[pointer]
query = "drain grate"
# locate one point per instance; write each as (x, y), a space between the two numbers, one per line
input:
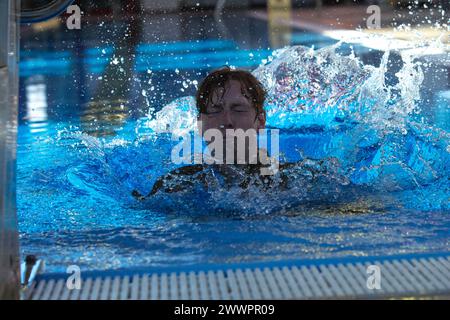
(414, 276)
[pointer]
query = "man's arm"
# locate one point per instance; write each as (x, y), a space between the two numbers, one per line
(174, 181)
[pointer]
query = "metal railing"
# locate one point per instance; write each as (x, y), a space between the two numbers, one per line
(9, 246)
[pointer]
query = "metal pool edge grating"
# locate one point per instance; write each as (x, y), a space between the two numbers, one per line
(400, 277)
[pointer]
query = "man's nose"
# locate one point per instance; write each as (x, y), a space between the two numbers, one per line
(228, 121)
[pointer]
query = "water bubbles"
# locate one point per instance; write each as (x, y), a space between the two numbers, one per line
(144, 93)
(115, 61)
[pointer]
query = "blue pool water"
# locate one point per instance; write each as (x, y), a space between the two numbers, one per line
(370, 137)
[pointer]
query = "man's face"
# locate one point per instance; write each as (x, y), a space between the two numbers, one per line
(231, 108)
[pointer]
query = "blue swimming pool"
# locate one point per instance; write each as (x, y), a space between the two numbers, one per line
(370, 136)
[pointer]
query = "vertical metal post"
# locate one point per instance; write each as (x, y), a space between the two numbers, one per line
(280, 15)
(9, 246)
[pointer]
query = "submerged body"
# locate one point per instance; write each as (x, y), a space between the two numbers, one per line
(243, 176)
(227, 101)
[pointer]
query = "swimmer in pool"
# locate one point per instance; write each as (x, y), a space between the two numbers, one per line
(226, 99)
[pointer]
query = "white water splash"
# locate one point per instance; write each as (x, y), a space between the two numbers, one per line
(313, 87)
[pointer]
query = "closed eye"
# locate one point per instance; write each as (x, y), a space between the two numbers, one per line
(240, 108)
(214, 109)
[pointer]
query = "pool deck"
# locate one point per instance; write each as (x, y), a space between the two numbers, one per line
(420, 276)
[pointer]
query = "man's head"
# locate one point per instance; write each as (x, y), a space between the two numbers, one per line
(231, 99)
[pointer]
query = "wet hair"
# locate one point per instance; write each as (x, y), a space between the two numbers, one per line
(250, 87)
